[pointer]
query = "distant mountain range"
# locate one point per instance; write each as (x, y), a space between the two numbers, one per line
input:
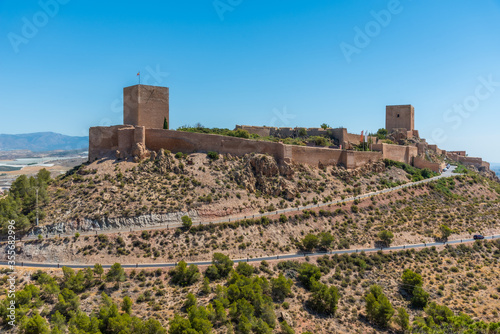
(42, 141)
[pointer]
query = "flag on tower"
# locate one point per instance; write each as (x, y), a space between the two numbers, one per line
(361, 138)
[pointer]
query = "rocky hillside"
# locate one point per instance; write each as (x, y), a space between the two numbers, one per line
(213, 187)
(203, 188)
(321, 294)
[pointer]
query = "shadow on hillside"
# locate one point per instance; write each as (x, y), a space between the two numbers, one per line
(380, 244)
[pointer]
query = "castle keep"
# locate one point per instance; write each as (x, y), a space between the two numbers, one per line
(145, 132)
(145, 106)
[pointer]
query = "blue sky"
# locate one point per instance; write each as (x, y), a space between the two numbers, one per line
(227, 62)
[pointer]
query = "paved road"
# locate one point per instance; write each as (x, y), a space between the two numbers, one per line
(257, 259)
(447, 173)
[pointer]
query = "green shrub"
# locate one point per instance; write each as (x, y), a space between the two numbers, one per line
(213, 155)
(378, 307)
(186, 222)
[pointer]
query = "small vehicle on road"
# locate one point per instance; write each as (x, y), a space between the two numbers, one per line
(478, 237)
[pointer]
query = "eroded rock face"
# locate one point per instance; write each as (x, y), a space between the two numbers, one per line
(483, 171)
(118, 223)
(140, 152)
(348, 174)
(164, 162)
(262, 172)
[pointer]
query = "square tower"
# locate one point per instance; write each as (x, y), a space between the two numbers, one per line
(145, 106)
(399, 117)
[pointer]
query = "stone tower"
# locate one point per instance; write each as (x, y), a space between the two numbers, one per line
(400, 117)
(145, 106)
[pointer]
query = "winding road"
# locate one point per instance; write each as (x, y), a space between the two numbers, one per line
(256, 259)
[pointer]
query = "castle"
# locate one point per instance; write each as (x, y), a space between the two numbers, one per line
(145, 131)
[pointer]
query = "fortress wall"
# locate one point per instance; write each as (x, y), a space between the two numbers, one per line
(461, 153)
(263, 131)
(422, 147)
(471, 161)
(188, 142)
(355, 159)
(103, 141)
(317, 132)
(314, 155)
(396, 152)
(332, 157)
(353, 138)
(125, 139)
(452, 156)
(436, 149)
(339, 134)
(460, 157)
(140, 135)
(422, 163)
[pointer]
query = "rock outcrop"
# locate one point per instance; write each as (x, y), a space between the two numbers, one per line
(120, 223)
(348, 174)
(262, 172)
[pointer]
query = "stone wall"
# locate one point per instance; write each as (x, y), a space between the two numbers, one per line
(422, 147)
(477, 162)
(396, 152)
(284, 132)
(263, 131)
(461, 153)
(436, 149)
(316, 155)
(103, 141)
(341, 136)
(107, 141)
(355, 159)
(422, 163)
(188, 142)
(470, 161)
